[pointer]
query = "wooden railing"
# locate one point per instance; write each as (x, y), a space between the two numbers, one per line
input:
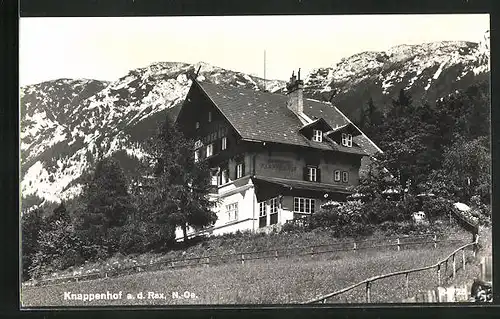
(368, 282)
(244, 257)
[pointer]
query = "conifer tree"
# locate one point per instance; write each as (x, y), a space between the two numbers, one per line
(107, 206)
(180, 187)
(31, 223)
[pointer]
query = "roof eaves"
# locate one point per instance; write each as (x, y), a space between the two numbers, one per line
(347, 119)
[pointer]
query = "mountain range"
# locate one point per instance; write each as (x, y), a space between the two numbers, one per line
(67, 124)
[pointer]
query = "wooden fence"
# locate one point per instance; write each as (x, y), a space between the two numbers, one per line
(439, 278)
(244, 257)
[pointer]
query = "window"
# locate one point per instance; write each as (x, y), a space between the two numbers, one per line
(196, 156)
(270, 206)
(345, 177)
(210, 150)
(214, 180)
(347, 140)
(224, 176)
(262, 214)
(232, 211)
(273, 211)
(336, 176)
(239, 170)
(224, 143)
(311, 174)
(317, 136)
(197, 125)
(209, 117)
(215, 177)
(303, 205)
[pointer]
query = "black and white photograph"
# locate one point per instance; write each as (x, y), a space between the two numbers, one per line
(255, 160)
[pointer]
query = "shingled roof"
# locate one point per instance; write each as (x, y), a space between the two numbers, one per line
(264, 116)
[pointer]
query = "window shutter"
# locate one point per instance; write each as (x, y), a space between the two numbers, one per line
(242, 169)
(306, 173)
(318, 175)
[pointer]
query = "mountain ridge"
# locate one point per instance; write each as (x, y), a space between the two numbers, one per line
(67, 124)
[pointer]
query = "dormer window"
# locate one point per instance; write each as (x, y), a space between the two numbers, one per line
(317, 136)
(347, 140)
(209, 117)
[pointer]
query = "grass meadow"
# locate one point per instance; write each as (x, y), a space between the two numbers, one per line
(292, 280)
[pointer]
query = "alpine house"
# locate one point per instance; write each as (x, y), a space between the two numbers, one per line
(273, 157)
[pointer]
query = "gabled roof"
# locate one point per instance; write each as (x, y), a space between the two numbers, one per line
(317, 123)
(348, 128)
(264, 116)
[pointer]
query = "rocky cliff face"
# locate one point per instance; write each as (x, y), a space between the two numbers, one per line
(428, 71)
(66, 125)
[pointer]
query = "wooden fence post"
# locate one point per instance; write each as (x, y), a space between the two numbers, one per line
(399, 248)
(407, 285)
(454, 266)
(368, 286)
(242, 259)
(474, 247)
(435, 241)
(463, 259)
(439, 274)
(276, 255)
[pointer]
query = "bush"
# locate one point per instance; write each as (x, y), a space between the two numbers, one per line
(292, 227)
(345, 214)
(134, 239)
(59, 247)
(436, 208)
(356, 230)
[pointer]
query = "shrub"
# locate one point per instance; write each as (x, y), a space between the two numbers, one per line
(292, 227)
(339, 216)
(356, 230)
(133, 239)
(436, 208)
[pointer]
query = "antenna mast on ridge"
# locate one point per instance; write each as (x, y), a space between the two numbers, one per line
(265, 84)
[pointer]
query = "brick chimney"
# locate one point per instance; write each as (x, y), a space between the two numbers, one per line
(295, 91)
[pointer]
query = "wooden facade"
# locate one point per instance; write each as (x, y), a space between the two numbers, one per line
(260, 183)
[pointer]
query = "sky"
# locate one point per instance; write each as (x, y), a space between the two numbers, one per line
(106, 48)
